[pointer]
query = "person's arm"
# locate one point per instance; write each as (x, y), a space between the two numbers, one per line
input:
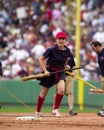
(42, 64)
(72, 73)
(0, 69)
(71, 63)
(66, 65)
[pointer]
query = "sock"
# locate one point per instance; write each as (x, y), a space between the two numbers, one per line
(58, 100)
(40, 101)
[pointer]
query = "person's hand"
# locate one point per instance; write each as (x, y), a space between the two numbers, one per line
(72, 74)
(47, 73)
(67, 67)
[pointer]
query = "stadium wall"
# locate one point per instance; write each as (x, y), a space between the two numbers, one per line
(16, 92)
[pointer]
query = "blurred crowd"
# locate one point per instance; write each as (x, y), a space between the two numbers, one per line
(28, 28)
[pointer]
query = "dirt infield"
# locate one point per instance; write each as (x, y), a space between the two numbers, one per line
(83, 121)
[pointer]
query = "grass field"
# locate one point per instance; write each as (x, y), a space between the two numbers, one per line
(45, 109)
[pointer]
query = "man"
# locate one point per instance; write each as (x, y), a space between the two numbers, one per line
(69, 88)
(98, 48)
(0, 76)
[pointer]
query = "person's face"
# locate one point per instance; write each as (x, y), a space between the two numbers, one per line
(95, 49)
(61, 41)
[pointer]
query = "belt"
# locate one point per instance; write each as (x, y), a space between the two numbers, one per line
(54, 69)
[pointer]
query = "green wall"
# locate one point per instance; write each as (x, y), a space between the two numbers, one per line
(18, 92)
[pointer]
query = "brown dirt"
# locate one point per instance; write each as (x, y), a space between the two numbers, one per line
(83, 121)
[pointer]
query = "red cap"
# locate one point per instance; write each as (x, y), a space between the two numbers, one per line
(61, 35)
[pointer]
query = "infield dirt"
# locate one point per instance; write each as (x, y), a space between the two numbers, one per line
(82, 121)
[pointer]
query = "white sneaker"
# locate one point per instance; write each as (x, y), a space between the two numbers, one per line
(37, 115)
(101, 113)
(56, 112)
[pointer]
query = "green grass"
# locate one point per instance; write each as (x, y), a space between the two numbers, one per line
(44, 109)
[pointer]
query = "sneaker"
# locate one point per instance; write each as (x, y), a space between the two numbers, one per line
(56, 112)
(71, 112)
(37, 115)
(101, 113)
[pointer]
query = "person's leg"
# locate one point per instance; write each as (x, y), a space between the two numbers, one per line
(40, 100)
(103, 93)
(101, 112)
(58, 96)
(69, 92)
(70, 101)
(71, 104)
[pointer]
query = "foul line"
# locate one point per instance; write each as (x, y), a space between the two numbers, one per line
(16, 98)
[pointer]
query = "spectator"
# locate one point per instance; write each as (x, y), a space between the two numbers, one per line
(40, 21)
(99, 35)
